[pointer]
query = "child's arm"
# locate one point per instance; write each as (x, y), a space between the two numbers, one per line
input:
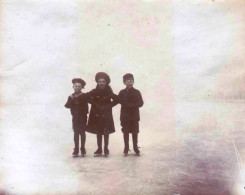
(115, 100)
(88, 97)
(69, 102)
(120, 98)
(137, 103)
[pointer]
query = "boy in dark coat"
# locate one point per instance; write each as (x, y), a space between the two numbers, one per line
(79, 110)
(100, 122)
(131, 100)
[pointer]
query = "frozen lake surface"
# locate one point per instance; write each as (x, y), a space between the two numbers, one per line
(190, 150)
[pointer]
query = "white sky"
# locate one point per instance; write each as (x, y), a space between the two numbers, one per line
(167, 46)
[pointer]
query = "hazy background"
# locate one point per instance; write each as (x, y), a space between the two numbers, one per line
(185, 57)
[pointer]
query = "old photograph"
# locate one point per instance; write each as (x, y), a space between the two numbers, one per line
(122, 97)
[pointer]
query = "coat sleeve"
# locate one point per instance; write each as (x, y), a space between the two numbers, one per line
(69, 102)
(120, 98)
(89, 97)
(138, 102)
(114, 102)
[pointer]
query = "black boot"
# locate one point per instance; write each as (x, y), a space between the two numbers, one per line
(106, 151)
(83, 151)
(75, 152)
(98, 152)
(99, 143)
(106, 143)
(126, 143)
(135, 143)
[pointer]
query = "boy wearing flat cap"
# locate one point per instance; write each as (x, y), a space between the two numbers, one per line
(79, 109)
(131, 100)
(100, 122)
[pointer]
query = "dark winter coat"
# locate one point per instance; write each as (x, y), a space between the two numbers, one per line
(78, 105)
(131, 100)
(100, 118)
(79, 110)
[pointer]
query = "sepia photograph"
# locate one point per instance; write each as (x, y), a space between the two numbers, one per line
(122, 97)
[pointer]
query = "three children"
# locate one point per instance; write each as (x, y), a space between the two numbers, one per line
(102, 100)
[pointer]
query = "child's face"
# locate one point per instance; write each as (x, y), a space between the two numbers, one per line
(102, 83)
(77, 87)
(129, 83)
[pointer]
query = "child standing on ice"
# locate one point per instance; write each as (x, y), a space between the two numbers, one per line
(79, 109)
(131, 100)
(100, 122)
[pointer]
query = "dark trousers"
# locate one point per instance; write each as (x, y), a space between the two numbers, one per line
(76, 139)
(79, 127)
(126, 140)
(99, 141)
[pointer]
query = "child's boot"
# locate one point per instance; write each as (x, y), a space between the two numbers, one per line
(98, 152)
(75, 151)
(106, 151)
(83, 151)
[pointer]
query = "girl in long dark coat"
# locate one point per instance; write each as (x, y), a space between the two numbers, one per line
(100, 122)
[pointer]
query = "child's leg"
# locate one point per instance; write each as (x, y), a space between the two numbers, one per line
(125, 130)
(135, 142)
(135, 139)
(99, 141)
(75, 124)
(83, 139)
(135, 130)
(76, 140)
(126, 141)
(83, 133)
(106, 143)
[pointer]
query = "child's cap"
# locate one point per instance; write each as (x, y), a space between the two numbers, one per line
(78, 80)
(103, 75)
(128, 76)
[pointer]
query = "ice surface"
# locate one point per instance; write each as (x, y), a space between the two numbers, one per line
(195, 157)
